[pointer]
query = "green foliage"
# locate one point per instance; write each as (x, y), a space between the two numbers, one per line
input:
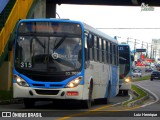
(141, 78)
(141, 93)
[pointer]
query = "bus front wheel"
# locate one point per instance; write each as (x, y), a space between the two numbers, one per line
(88, 103)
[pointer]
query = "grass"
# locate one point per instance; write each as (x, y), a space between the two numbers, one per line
(147, 77)
(141, 93)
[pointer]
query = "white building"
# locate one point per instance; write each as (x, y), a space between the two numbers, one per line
(156, 48)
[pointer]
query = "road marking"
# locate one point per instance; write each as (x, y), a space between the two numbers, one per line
(84, 113)
(97, 109)
(109, 106)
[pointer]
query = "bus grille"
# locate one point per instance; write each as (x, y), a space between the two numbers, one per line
(47, 92)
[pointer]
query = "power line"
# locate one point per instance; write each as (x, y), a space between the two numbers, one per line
(127, 28)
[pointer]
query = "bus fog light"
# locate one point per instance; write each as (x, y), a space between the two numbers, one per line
(74, 82)
(127, 79)
(20, 81)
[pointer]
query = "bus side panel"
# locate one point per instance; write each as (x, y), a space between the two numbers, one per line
(100, 74)
(87, 78)
(114, 81)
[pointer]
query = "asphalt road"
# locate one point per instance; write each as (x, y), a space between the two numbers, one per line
(154, 88)
(112, 111)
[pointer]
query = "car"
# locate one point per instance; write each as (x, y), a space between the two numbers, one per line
(137, 69)
(136, 73)
(148, 69)
(147, 64)
(155, 75)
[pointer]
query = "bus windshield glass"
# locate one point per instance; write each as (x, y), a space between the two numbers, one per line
(48, 47)
(124, 61)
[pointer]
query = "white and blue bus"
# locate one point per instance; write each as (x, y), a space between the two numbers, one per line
(65, 60)
(125, 68)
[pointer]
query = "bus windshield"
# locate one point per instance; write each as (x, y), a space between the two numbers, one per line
(124, 62)
(39, 48)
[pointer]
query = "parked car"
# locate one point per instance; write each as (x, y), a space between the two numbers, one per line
(148, 69)
(136, 73)
(155, 75)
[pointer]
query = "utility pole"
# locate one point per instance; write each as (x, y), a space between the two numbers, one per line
(142, 44)
(151, 52)
(135, 47)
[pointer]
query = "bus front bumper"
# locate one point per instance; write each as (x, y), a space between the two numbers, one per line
(62, 93)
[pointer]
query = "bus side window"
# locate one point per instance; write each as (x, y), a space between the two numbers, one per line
(107, 51)
(114, 54)
(95, 48)
(117, 55)
(111, 52)
(90, 46)
(86, 48)
(104, 51)
(100, 50)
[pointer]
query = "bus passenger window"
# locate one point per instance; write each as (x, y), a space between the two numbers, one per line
(111, 52)
(104, 51)
(100, 50)
(108, 50)
(95, 48)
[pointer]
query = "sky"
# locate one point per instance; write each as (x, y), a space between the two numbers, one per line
(113, 20)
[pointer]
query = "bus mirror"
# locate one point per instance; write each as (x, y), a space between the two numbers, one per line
(89, 41)
(132, 57)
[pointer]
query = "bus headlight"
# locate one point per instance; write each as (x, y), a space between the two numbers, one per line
(74, 82)
(20, 81)
(127, 80)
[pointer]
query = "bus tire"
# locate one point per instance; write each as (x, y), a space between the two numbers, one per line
(29, 103)
(120, 93)
(86, 104)
(125, 92)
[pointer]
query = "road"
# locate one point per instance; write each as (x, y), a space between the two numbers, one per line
(60, 109)
(113, 108)
(154, 88)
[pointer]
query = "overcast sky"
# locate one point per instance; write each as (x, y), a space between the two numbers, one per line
(117, 17)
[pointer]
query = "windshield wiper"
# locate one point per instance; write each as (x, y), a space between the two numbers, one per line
(59, 43)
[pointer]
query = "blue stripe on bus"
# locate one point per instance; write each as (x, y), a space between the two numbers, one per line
(113, 82)
(38, 84)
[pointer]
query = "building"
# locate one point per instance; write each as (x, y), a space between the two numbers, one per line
(156, 48)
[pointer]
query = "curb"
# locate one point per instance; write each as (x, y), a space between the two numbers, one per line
(139, 101)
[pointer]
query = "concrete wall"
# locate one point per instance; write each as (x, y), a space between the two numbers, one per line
(40, 10)
(45, 9)
(5, 76)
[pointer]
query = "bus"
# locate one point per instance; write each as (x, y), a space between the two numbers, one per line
(61, 59)
(125, 68)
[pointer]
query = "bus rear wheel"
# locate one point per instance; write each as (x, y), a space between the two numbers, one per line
(29, 103)
(125, 92)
